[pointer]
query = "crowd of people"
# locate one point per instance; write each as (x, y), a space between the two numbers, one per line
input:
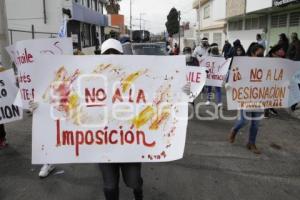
(283, 49)
(131, 172)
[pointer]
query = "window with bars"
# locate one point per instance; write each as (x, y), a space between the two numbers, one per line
(235, 25)
(256, 23)
(278, 21)
(217, 38)
(295, 19)
(263, 22)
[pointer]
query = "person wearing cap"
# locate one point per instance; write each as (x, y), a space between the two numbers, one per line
(131, 172)
(202, 50)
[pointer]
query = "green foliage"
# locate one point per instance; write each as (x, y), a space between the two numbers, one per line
(172, 24)
(113, 7)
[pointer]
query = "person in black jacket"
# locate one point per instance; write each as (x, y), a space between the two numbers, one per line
(190, 60)
(294, 48)
(233, 51)
(284, 42)
(226, 49)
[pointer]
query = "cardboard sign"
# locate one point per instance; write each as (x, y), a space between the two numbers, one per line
(8, 92)
(260, 83)
(24, 54)
(217, 70)
(197, 77)
(109, 109)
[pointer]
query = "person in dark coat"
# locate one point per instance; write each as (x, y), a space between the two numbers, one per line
(284, 42)
(294, 49)
(226, 48)
(233, 51)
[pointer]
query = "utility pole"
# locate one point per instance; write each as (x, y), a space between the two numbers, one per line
(130, 20)
(179, 19)
(3, 35)
(199, 22)
(141, 20)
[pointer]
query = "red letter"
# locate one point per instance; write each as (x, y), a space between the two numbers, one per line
(89, 135)
(79, 141)
(141, 96)
(144, 139)
(118, 96)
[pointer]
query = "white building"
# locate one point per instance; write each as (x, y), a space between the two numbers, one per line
(43, 18)
(211, 16)
(247, 18)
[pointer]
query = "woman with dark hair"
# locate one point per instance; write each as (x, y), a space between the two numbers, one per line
(255, 50)
(276, 51)
(284, 42)
(234, 50)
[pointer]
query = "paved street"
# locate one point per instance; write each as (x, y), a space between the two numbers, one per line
(212, 169)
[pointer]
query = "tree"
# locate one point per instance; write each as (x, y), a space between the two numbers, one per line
(113, 7)
(172, 24)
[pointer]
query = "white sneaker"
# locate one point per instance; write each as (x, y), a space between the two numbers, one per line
(207, 103)
(46, 170)
(220, 105)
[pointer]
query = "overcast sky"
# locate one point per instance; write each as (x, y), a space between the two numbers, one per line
(156, 12)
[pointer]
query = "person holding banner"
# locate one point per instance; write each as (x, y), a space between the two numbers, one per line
(236, 50)
(111, 171)
(203, 49)
(214, 52)
(276, 51)
(3, 142)
(254, 116)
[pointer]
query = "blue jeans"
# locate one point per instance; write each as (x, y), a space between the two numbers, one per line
(254, 118)
(218, 94)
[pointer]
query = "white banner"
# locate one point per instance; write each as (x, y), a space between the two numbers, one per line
(217, 69)
(260, 83)
(197, 77)
(8, 92)
(24, 53)
(109, 109)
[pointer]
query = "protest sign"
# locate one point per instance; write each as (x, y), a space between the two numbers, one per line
(109, 109)
(260, 83)
(24, 53)
(197, 77)
(217, 70)
(8, 92)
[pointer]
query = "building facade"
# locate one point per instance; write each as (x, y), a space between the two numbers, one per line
(45, 17)
(246, 18)
(211, 21)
